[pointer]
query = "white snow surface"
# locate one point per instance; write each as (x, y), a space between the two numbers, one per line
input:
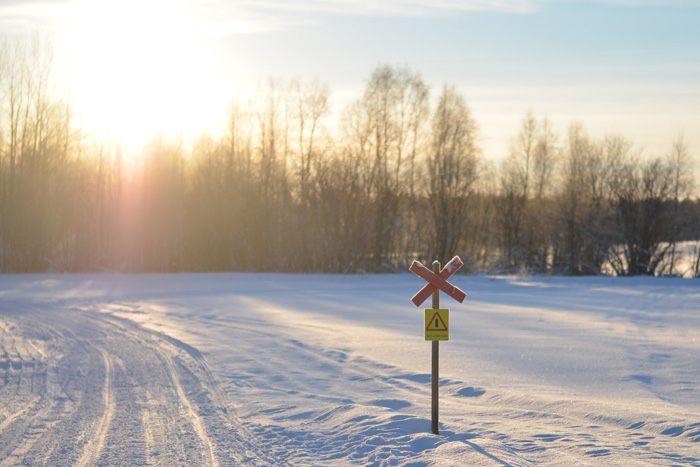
(322, 370)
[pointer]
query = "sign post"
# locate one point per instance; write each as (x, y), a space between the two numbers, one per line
(435, 377)
(437, 320)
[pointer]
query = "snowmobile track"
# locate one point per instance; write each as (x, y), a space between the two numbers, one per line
(84, 388)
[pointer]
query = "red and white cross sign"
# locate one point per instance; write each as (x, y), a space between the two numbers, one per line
(438, 281)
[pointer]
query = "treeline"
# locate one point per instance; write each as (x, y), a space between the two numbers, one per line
(398, 179)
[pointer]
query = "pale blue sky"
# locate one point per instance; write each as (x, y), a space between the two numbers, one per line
(629, 67)
(634, 69)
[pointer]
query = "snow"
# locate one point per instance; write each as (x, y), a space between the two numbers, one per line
(334, 369)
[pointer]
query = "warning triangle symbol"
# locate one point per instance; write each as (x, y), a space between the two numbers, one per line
(436, 323)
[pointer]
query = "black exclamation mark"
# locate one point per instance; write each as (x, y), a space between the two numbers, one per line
(436, 322)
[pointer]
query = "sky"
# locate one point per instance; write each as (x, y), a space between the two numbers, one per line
(629, 67)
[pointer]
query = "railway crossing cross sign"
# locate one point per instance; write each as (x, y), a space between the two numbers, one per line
(437, 320)
(437, 281)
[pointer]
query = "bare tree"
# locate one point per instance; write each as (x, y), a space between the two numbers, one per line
(641, 191)
(413, 139)
(515, 191)
(35, 203)
(16, 72)
(545, 159)
(525, 179)
(682, 182)
(452, 168)
(312, 106)
(381, 127)
(584, 206)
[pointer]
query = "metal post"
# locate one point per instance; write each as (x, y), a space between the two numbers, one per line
(436, 361)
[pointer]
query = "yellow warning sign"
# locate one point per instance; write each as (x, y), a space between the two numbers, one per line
(437, 324)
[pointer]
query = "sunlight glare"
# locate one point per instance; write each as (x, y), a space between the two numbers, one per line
(139, 67)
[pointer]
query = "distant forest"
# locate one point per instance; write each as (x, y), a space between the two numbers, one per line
(400, 177)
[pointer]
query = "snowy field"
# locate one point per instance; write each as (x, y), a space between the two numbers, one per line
(312, 370)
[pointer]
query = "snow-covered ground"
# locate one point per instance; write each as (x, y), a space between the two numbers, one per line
(268, 369)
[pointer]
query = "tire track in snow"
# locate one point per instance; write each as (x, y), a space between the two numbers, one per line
(96, 443)
(153, 421)
(63, 408)
(23, 413)
(240, 445)
(34, 427)
(192, 413)
(11, 417)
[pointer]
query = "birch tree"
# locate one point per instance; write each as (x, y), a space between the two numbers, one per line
(452, 168)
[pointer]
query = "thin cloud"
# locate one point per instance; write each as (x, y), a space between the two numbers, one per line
(216, 17)
(227, 17)
(647, 3)
(222, 17)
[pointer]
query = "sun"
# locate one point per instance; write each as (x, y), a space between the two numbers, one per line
(140, 67)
